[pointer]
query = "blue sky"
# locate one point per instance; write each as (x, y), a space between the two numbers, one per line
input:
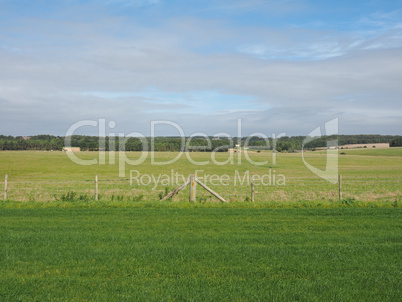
(281, 66)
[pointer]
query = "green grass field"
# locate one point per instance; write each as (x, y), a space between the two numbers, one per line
(200, 254)
(373, 175)
(296, 242)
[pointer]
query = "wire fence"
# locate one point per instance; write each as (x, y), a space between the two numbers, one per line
(293, 189)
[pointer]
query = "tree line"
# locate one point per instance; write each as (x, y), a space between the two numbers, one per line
(199, 144)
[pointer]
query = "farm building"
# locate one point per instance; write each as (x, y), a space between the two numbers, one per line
(72, 149)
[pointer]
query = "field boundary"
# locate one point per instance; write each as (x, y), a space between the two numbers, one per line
(120, 190)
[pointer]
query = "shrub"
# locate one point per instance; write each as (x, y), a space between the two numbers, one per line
(118, 197)
(85, 198)
(163, 194)
(73, 196)
(348, 201)
(137, 198)
(69, 196)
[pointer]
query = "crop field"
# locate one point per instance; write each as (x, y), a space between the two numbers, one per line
(368, 175)
(296, 242)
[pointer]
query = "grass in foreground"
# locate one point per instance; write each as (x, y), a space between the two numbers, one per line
(200, 254)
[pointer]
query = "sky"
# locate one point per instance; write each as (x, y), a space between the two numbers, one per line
(280, 66)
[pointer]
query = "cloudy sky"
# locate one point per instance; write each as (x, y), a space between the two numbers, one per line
(282, 66)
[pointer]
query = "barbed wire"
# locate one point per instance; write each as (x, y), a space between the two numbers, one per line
(297, 188)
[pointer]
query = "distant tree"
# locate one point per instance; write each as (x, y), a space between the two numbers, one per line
(199, 144)
(396, 142)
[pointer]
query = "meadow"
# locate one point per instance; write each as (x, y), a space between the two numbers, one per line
(296, 242)
(368, 176)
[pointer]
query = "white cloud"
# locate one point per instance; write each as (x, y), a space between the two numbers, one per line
(45, 79)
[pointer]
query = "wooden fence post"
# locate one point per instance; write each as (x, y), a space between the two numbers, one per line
(96, 187)
(192, 181)
(252, 188)
(210, 190)
(5, 186)
(193, 192)
(340, 186)
(175, 191)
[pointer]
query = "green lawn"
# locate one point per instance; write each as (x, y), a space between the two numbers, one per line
(200, 254)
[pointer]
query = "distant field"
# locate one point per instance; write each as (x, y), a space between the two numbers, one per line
(368, 175)
(374, 152)
(351, 146)
(203, 254)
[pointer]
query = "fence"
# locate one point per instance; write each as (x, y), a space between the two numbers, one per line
(295, 189)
